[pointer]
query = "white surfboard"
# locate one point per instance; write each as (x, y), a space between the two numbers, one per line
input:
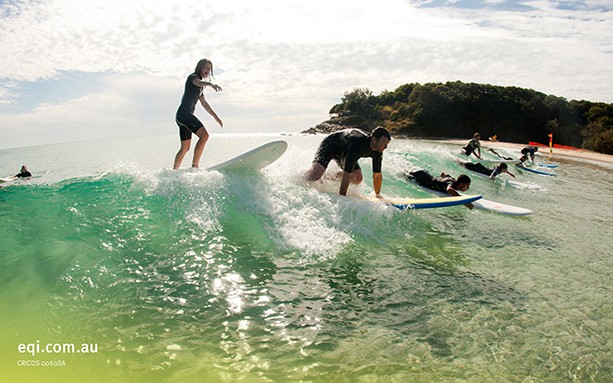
(7, 179)
(254, 159)
(485, 204)
(501, 208)
(424, 203)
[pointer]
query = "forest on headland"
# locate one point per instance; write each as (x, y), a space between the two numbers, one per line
(456, 110)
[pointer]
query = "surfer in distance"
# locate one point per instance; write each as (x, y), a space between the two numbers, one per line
(186, 120)
(490, 172)
(528, 151)
(346, 147)
(23, 173)
(473, 146)
(496, 153)
(444, 183)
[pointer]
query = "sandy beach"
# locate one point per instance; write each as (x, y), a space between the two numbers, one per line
(543, 152)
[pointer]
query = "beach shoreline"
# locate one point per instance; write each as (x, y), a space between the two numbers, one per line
(557, 154)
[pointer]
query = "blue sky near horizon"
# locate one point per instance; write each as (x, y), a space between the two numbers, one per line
(118, 67)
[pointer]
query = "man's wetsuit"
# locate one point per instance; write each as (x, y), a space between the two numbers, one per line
(426, 180)
(528, 150)
(479, 168)
(25, 174)
(346, 147)
(185, 118)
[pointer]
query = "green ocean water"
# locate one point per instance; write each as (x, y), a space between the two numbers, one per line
(197, 276)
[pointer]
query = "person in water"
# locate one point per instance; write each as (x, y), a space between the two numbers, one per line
(496, 153)
(490, 172)
(23, 173)
(186, 120)
(346, 147)
(473, 146)
(444, 183)
(528, 151)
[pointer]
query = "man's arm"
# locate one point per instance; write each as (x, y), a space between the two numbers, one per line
(345, 183)
(377, 180)
(454, 193)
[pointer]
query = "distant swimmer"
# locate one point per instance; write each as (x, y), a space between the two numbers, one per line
(473, 146)
(346, 147)
(185, 118)
(528, 151)
(23, 173)
(444, 183)
(490, 172)
(496, 153)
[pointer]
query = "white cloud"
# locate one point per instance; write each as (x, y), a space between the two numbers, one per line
(282, 64)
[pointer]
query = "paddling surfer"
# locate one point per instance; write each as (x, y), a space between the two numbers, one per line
(496, 153)
(185, 118)
(490, 172)
(346, 147)
(444, 183)
(23, 173)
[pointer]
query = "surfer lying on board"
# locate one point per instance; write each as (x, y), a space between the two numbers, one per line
(473, 146)
(23, 173)
(185, 118)
(490, 172)
(445, 183)
(346, 147)
(503, 157)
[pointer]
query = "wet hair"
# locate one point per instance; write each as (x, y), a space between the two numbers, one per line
(462, 179)
(476, 135)
(503, 166)
(381, 132)
(201, 65)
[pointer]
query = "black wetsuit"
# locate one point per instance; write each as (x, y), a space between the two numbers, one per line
(23, 174)
(528, 150)
(185, 118)
(479, 168)
(471, 147)
(426, 180)
(346, 147)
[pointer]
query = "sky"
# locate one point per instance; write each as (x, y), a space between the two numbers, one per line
(78, 70)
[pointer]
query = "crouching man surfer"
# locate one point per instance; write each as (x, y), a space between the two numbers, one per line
(346, 147)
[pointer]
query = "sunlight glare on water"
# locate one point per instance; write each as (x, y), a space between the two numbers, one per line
(205, 276)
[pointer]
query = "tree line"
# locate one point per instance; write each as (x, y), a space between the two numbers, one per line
(457, 110)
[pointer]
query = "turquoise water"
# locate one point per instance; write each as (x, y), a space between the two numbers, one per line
(209, 277)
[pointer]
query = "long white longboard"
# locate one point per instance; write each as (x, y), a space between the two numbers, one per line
(424, 203)
(501, 208)
(254, 159)
(485, 204)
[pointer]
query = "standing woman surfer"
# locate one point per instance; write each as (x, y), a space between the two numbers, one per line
(185, 118)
